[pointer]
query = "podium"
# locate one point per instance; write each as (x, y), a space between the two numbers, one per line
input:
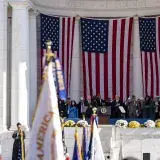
(103, 113)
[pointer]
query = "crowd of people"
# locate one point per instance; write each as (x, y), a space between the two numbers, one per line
(132, 108)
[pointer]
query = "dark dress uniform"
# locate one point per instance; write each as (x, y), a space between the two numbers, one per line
(17, 146)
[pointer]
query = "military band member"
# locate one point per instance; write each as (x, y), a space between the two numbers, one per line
(18, 145)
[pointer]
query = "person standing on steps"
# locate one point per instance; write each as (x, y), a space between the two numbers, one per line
(18, 145)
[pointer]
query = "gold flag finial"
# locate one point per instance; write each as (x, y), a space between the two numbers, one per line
(94, 110)
(49, 54)
(83, 115)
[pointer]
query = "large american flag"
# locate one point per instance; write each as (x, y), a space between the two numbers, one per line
(150, 54)
(60, 30)
(106, 47)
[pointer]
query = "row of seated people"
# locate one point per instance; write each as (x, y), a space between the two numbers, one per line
(133, 108)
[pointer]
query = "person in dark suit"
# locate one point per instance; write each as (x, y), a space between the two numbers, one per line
(62, 109)
(108, 102)
(94, 101)
(66, 105)
(89, 103)
(116, 113)
(81, 108)
(100, 101)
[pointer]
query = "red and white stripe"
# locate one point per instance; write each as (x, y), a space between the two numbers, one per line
(66, 37)
(151, 67)
(109, 73)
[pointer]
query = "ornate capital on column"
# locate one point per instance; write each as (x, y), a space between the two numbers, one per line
(33, 14)
(15, 4)
(136, 18)
(78, 17)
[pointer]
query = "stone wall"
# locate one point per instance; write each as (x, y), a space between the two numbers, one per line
(106, 133)
(136, 142)
(116, 143)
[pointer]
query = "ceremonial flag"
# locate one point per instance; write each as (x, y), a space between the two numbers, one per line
(60, 30)
(63, 140)
(106, 57)
(150, 54)
(85, 143)
(77, 150)
(46, 133)
(67, 156)
(95, 147)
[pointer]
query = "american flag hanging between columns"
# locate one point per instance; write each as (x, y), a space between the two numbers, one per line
(150, 55)
(60, 30)
(106, 56)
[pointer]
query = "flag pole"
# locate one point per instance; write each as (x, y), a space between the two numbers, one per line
(22, 146)
(49, 56)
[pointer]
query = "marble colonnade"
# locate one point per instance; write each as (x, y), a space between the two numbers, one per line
(24, 64)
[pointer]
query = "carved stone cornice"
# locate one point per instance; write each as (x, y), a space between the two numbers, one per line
(98, 5)
(18, 4)
(99, 8)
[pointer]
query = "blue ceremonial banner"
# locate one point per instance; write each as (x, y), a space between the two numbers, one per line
(54, 70)
(60, 79)
(85, 144)
(77, 151)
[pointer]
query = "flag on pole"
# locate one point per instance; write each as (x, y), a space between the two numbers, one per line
(46, 133)
(149, 29)
(85, 144)
(63, 140)
(121, 152)
(95, 147)
(106, 57)
(60, 30)
(77, 150)
(67, 156)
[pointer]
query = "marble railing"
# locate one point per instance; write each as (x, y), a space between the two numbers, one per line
(131, 142)
(106, 135)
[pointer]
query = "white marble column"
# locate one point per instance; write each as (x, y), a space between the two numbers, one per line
(3, 65)
(75, 78)
(137, 72)
(32, 64)
(20, 64)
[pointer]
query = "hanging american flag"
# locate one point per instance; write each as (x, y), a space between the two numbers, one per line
(106, 47)
(60, 30)
(150, 54)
